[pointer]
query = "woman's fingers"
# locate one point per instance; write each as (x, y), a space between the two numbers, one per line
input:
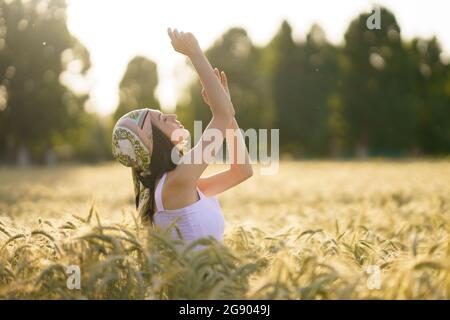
(177, 34)
(222, 77)
(173, 34)
(216, 71)
(170, 33)
(224, 80)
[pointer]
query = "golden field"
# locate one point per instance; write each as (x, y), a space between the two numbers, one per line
(316, 230)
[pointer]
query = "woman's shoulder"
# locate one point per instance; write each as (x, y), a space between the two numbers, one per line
(175, 181)
(175, 195)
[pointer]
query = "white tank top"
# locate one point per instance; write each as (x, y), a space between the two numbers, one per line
(200, 219)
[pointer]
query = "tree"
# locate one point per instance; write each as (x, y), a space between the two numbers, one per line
(36, 109)
(432, 93)
(137, 87)
(317, 112)
(377, 87)
(284, 69)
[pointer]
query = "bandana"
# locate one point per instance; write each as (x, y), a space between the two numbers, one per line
(129, 149)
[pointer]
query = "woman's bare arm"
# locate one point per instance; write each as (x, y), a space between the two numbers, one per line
(193, 163)
(240, 166)
(187, 44)
(237, 173)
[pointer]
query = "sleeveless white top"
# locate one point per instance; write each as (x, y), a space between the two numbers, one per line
(198, 220)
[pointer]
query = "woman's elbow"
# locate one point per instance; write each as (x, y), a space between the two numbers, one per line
(247, 173)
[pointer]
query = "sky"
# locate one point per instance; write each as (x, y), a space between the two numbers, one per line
(115, 31)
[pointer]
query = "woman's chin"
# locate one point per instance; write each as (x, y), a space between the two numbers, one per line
(180, 136)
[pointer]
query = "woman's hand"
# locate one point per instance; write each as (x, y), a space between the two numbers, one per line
(223, 80)
(184, 42)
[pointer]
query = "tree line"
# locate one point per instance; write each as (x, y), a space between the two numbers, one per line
(375, 94)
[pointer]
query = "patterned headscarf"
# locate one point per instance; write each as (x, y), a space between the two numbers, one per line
(129, 149)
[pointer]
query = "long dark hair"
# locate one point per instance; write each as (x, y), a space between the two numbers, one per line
(161, 162)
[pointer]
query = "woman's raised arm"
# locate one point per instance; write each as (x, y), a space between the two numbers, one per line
(241, 168)
(186, 43)
(194, 162)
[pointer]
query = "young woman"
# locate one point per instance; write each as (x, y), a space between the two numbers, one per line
(173, 192)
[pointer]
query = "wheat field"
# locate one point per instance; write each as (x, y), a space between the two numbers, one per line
(316, 230)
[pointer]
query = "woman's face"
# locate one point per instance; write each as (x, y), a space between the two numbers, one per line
(168, 124)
